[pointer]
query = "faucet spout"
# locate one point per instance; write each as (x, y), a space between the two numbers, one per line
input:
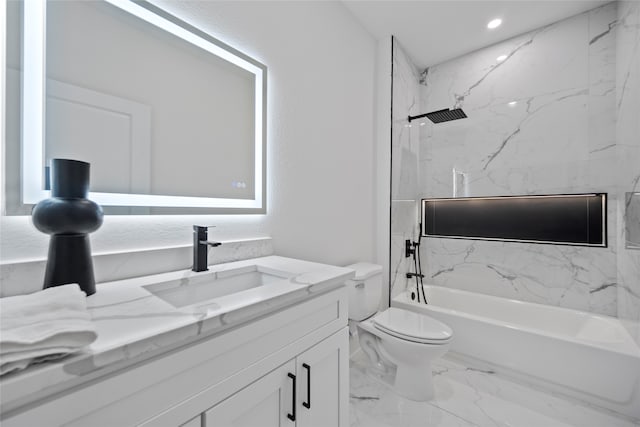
(200, 247)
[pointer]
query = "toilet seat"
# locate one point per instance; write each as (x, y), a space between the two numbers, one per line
(412, 326)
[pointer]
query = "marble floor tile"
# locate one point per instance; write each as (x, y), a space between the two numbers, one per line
(467, 397)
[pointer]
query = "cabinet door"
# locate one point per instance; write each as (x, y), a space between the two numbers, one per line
(263, 403)
(323, 383)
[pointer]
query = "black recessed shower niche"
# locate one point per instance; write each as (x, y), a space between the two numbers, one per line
(562, 219)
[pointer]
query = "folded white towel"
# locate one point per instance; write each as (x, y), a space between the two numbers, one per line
(42, 326)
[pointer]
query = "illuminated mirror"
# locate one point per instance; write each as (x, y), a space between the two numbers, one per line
(170, 118)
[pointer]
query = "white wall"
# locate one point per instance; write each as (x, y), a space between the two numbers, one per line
(321, 67)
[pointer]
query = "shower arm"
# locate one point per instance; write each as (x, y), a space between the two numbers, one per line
(420, 116)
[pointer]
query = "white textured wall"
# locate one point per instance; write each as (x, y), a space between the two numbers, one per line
(320, 139)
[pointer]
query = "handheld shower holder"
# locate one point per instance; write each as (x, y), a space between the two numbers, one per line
(408, 248)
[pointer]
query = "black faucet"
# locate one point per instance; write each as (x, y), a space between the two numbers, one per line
(200, 246)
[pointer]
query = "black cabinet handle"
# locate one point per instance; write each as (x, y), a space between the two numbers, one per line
(292, 417)
(307, 404)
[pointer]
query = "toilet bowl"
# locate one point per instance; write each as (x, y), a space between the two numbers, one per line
(405, 342)
(400, 344)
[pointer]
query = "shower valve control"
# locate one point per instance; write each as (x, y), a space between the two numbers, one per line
(408, 248)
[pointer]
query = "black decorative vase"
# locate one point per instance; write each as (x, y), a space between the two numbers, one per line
(68, 216)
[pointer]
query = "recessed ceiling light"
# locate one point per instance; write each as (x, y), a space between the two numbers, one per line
(501, 58)
(494, 23)
(512, 103)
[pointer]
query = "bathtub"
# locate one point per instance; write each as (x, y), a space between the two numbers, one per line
(587, 356)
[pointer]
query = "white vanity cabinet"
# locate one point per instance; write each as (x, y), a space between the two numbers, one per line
(236, 377)
(319, 377)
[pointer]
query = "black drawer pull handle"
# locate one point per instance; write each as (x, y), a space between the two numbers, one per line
(307, 404)
(292, 417)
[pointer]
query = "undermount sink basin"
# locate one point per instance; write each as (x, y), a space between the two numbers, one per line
(202, 287)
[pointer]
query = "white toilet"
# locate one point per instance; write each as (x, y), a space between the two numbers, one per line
(401, 344)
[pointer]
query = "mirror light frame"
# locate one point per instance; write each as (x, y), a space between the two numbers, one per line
(33, 105)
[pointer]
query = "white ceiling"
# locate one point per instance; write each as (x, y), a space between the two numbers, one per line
(433, 31)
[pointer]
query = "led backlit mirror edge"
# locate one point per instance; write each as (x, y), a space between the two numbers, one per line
(33, 105)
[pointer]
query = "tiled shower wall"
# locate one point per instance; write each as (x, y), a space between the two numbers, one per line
(542, 121)
(628, 145)
(404, 165)
(550, 118)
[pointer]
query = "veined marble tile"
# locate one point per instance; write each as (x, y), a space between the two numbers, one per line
(559, 115)
(531, 406)
(628, 94)
(519, 135)
(400, 265)
(405, 166)
(373, 404)
(539, 62)
(543, 121)
(405, 136)
(566, 276)
(602, 25)
(466, 396)
(628, 134)
(405, 215)
(405, 146)
(404, 226)
(602, 98)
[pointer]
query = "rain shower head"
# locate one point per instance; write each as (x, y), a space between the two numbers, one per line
(440, 116)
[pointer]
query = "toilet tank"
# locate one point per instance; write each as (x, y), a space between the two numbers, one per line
(365, 290)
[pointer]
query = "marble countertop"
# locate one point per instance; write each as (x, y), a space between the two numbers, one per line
(134, 324)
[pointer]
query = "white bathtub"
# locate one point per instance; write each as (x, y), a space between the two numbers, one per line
(587, 356)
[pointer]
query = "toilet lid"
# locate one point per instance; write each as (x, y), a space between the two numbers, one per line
(412, 326)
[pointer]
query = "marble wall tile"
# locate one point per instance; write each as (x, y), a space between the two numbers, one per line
(602, 98)
(506, 137)
(405, 145)
(628, 145)
(542, 121)
(632, 220)
(566, 276)
(404, 216)
(540, 62)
